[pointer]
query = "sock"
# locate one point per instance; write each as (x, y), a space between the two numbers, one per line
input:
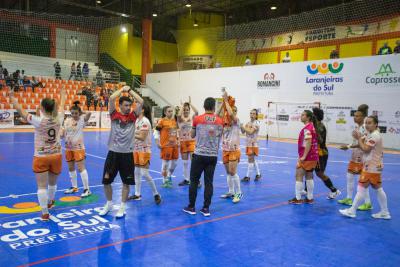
(230, 183)
(43, 200)
(236, 184)
(328, 183)
(350, 185)
(257, 169)
(298, 189)
(85, 179)
(164, 166)
(186, 169)
(138, 180)
(73, 176)
(382, 199)
(122, 206)
(367, 198)
(360, 196)
(250, 167)
(109, 203)
(145, 173)
(171, 168)
(310, 189)
(52, 191)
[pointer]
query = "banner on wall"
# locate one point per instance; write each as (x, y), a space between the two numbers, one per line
(94, 121)
(6, 118)
(318, 35)
(105, 120)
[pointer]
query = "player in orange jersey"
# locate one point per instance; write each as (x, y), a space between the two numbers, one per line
(251, 130)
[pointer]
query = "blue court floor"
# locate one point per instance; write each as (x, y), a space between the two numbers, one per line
(261, 230)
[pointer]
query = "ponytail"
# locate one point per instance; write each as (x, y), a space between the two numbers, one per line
(77, 107)
(311, 117)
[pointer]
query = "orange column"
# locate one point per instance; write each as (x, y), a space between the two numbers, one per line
(146, 47)
(53, 42)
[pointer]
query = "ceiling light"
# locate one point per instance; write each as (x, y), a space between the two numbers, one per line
(124, 15)
(188, 4)
(98, 2)
(273, 8)
(154, 14)
(123, 29)
(195, 24)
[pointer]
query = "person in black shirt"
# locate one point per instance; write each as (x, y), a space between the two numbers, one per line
(396, 50)
(57, 70)
(323, 154)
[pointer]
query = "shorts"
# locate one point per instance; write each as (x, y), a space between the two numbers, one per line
(50, 163)
(141, 158)
(169, 153)
(322, 162)
(75, 155)
(122, 163)
(188, 146)
(228, 156)
(252, 150)
(372, 178)
(354, 167)
(308, 165)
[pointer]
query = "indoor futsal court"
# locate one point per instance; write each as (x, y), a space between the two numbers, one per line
(200, 133)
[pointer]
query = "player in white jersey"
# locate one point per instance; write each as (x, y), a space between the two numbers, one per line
(231, 153)
(75, 148)
(251, 130)
(372, 148)
(186, 142)
(47, 161)
(142, 154)
(355, 164)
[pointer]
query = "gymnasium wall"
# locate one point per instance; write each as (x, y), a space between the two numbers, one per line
(254, 86)
(127, 49)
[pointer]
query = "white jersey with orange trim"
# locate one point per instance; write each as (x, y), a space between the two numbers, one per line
(357, 153)
(47, 134)
(231, 137)
(252, 139)
(185, 128)
(143, 146)
(73, 133)
(373, 160)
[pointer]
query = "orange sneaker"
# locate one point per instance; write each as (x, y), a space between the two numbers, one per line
(51, 204)
(45, 217)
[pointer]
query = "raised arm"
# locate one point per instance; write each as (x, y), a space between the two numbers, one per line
(229, 109)
(63, 95)
(135, 96)
(87, 116)
(24, 114)
(196, 112)
(112, 99)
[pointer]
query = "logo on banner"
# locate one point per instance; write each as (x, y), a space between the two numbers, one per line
(384, 77)
(282, 116)
(320, 34)
(5, 117)
(269, 82)
(341, 118)
(393, 130)
(324, 77)
(74, 223)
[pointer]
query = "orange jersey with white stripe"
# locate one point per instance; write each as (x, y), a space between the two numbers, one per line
(231, 137)
(357, 153)
(47, 134)
(252, 139)
(185, 128)
(73, 133)
(168, 132)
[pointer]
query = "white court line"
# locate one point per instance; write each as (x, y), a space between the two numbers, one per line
(61, 190)
(337, 161)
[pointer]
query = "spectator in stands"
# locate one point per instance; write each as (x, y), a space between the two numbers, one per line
(396, 50)
(21, 77)
(96, 99)
(26, 83)
(57, 70)
(73, 71)
(1, 72)
(247, 62)
(99, 79)
(287, 58)
(36, 83)
(334, 54)
(85, 71)
(15, 76)
(105, 99)
(79, 72)
(385, 50)
(218, 64)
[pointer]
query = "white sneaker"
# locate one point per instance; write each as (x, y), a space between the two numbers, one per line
(71, 190)
(333, 195)
(303, 192)
(347, 213)
(227, 195)
(120, 213)
(106, 209)
(237, 198)
(382, 215)
(86, 193)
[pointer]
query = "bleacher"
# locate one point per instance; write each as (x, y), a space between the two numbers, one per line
(41, 66)
(31, 100)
